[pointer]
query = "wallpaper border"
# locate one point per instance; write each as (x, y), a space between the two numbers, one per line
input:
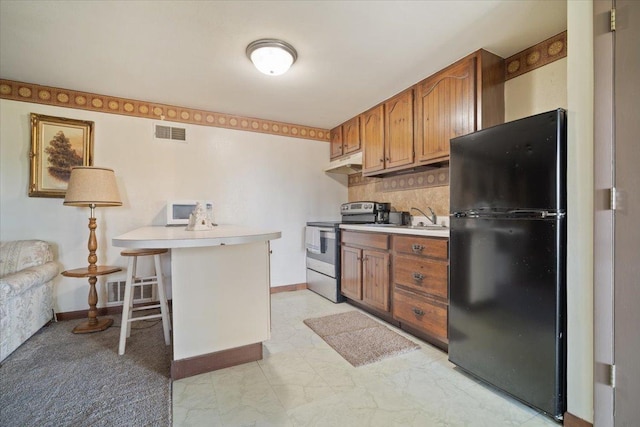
(536, 56)
(30, 92)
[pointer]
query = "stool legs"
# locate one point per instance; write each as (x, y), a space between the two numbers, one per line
(127, 307)
(164, 307)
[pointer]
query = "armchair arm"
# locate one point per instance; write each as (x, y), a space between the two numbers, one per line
(16, 283)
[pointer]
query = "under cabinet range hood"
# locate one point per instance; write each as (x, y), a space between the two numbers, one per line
(346, 165)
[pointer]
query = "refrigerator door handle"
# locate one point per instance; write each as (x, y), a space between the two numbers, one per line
(514, 213)
(536, 213)
(466, 214)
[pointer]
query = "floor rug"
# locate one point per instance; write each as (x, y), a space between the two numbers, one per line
(57, 378)
(358, 338)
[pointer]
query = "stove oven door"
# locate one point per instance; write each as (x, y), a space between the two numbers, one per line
(323, 262)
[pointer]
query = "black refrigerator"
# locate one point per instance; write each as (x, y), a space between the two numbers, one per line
(507, 274)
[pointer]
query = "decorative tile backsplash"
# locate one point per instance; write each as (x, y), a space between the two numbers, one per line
(418, 189)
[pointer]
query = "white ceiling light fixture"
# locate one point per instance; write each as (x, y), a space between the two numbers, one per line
(271, 56)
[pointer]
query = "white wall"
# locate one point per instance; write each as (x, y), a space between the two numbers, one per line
(540, 90)
(254, 179)
(580, 183)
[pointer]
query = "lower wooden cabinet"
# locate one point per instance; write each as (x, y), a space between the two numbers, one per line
(420, 312)
(421, 285)
(421, 275)
(402, 278)
(375, 279)
(365, 269)
(351, 280)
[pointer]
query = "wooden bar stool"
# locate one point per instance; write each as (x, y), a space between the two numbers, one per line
(133, 280)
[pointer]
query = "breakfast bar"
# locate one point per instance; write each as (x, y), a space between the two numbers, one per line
(220, 293)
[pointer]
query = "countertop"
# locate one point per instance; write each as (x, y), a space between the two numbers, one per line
(397, 229)
(179, 237)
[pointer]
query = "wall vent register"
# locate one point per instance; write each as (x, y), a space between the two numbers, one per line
(144, 293)
(170, 133)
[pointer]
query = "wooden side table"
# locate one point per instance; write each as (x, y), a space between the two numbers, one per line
(93, 324)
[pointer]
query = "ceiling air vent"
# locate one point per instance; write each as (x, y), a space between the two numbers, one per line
(170, 133)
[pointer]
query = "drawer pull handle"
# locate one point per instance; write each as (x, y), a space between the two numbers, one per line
(418, 276)
(417, 311)
(417, 248)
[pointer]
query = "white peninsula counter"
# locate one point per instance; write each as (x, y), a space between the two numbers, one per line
(220, 293)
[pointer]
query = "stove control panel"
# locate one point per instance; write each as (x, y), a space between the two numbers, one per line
(356, 208)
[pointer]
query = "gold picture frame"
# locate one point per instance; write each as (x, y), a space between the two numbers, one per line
(57, 144)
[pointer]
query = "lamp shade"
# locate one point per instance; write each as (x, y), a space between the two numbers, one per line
(272, 57)
(92, 186)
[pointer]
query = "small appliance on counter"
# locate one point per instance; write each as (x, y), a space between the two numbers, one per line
(365, 212)
(179, 211)
(399, 218)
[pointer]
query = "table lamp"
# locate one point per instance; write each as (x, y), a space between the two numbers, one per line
(92, 187)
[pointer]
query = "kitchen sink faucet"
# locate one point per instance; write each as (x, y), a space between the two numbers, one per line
(431, 217)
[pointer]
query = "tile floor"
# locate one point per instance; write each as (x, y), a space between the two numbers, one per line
(301, 381)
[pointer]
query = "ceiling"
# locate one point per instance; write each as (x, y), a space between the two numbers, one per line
(351, 54)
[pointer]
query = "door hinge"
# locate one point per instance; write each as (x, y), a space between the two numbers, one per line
(612, 376)
(613, 19)
(614, 198)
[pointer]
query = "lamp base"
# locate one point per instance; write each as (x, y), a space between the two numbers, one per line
(85, 328)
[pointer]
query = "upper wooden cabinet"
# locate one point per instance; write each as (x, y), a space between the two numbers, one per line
(444, 109)
(398, 130)
(335, 136)
(351, 136)
(413, 128)
(464, 97)
(387, 135)
(372, 137)
(345, 139)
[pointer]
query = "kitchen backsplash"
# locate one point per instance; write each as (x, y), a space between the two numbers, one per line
(419, 189)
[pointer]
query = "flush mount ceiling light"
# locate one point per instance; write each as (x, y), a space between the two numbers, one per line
(271, 56)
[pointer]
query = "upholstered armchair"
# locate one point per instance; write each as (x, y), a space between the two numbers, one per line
(26, 291)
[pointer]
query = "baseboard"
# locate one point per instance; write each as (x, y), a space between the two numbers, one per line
(571, 420)
(191, 366)
(289, 288)
(115, 310)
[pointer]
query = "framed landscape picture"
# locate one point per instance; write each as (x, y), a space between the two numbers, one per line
(57, 145)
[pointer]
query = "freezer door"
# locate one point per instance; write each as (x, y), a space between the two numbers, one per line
(507, 306)
(516, 165)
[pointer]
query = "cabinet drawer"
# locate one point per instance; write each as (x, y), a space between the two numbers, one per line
(372, 240)
(421, 313)
(421, 274)
(422, 246)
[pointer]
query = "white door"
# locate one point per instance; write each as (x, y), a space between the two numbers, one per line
(617, 223)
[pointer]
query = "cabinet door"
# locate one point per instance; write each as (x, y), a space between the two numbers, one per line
(375, 279)
(445, 109)
(372, 137)
(398, 124)
(351, 282)
(335, 135)
(351, 135)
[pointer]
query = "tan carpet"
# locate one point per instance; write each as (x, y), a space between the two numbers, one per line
(358, 338)
(57, 378)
